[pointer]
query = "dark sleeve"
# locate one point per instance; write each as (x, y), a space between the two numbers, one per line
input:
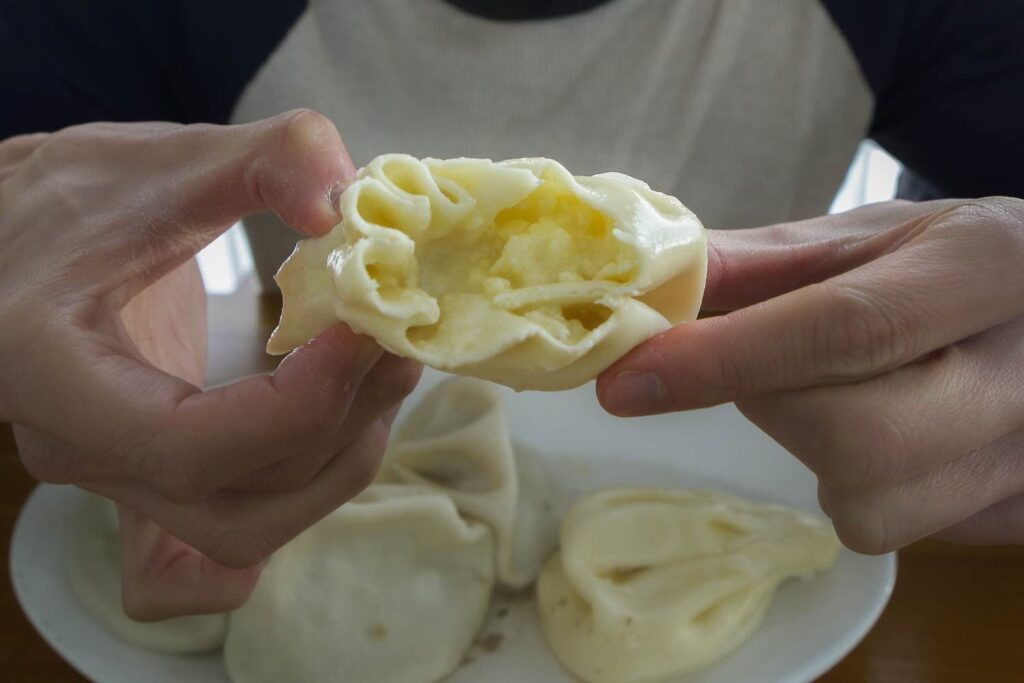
(948, 80)
(64, 62)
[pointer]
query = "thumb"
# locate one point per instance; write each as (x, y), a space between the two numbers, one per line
(748, 266)
(294, 164)
(192, 182)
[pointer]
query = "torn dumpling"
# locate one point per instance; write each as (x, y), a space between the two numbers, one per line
(650, 584)
(515, 271)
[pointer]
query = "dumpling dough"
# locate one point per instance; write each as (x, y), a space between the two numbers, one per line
(390, 588)
(94, 572)
(457, 441)
(650, 583)
(515, 271)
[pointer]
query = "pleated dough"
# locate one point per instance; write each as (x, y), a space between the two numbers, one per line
(515, 271)
(94, 572)
(390, 588)
(456, 441)
(650, 584)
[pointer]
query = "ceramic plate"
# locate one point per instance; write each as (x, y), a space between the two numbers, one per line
(809, 627)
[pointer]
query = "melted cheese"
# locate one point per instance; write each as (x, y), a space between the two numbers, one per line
(516, 271)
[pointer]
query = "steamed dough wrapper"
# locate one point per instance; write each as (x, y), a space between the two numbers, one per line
(650, 584)
(515, 271)
(94, 573)
(456, 441)
(390, 588)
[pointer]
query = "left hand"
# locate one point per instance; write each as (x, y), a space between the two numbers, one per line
(883, 347)
(161, 575)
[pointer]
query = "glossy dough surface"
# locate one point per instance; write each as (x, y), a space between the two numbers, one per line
(456, 441)
(650, 583)
(390, 588)
(94, 572)
(515, 271)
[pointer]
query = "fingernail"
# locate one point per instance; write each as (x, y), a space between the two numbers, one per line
(334, 200)
(635, 393)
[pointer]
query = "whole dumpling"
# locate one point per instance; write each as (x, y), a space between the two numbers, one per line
(456, 441)
(390, 588)
(94, 573)
(515, 271)
(652, 583)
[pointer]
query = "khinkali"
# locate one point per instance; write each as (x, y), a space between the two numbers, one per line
(390, 588)
(652, 583)
(515, 271)
(94, 573)
(457, 441)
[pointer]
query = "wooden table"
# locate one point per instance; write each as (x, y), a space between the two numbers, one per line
(957, 615)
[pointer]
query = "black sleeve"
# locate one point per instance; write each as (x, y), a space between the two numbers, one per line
(948, 80)
(64, 62)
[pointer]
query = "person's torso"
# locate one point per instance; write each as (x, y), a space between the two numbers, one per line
(748, 111)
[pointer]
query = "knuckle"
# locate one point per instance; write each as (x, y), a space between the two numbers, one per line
(237, 548)
(48, 463)
(46, 468)
(859, 334)
(998, 220)
(990, 211)
(396, 384)
(307, 126)
(867, 450)
(862, 528)
(729, 370)
(866, 522)
(364, 472)
(407, 379)
(364, 464)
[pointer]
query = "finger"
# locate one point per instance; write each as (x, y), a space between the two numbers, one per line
(294, 165)
(905, 422)
(49, 458)
(14, 150)
(999, 524)
(749, 266)
(390, 381)
(222, 434)
(178, 187)
(882, 520)
(140, 423)
(237, 529)
(163, 577)
(935, 290)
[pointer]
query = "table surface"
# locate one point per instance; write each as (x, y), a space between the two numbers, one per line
(957, 613)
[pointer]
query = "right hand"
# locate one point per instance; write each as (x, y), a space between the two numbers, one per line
(92, 216)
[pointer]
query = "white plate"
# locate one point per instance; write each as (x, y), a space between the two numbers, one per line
(809, 627)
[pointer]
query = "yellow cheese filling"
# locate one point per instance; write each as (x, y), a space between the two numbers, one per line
(549, 258)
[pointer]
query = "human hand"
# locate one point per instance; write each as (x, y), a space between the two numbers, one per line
(883, 347)
(162, 576)
(93, 215)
